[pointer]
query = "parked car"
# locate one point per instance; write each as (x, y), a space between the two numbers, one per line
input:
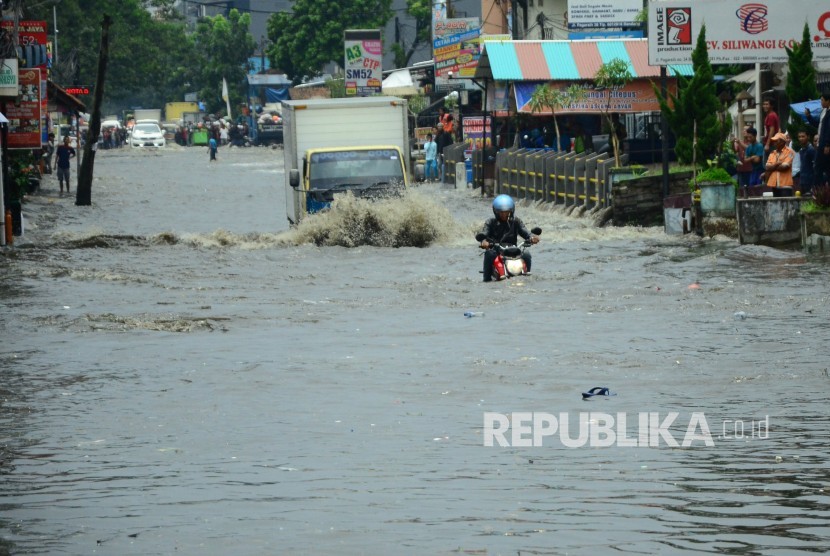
(147, 134)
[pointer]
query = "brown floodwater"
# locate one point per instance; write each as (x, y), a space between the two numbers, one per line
(183, 373)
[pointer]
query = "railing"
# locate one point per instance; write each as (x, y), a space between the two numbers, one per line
(547, 175)
(556, 177)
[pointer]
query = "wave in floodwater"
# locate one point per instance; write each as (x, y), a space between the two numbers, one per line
(419, 218)
(411, 220)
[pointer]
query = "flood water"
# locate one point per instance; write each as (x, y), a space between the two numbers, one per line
(183, 374)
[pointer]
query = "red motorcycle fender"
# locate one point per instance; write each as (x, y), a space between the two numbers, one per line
(498, 266)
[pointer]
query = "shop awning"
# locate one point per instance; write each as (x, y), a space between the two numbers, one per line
(743, 77)
(399, 83)
(62, 98)
(565, 60)
(269, 80)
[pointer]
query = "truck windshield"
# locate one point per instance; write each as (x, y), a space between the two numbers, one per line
(355, 169)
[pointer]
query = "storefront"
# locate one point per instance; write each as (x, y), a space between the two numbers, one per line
(513, 70)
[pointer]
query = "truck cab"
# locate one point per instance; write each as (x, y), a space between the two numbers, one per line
(366, 171)
(336, 146)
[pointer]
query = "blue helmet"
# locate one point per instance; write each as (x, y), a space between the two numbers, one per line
(503, 202)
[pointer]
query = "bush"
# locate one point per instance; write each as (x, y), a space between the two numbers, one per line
(821, 196)
(712, 174)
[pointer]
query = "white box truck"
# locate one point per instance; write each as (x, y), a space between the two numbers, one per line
(338, 145)
(149, 114)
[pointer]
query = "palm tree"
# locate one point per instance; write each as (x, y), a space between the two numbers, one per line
(610, 76)
(546, 97)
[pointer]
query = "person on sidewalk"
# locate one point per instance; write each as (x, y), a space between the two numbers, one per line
(780, 163)
(772, 126)
(442, 140)
(822, 164)
(49, 153)
(807, 156)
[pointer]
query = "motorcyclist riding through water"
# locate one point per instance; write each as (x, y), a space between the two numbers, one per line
(503, 228)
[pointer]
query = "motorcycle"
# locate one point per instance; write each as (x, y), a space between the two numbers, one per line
(509, 261)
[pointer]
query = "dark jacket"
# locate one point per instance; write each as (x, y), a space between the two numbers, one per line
(823, 129)
(442, 139)
(807, 155)
(505, 232)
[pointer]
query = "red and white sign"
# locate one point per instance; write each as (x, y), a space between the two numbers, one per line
(24, 116)
(737, 31)
(28, 32)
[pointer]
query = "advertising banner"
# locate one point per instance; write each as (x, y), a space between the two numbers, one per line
(636, 96)
(476, 132)
(737, 32)
(596, 14)
(455, 49)
(364, 62)
(25, 116)
(498, 99)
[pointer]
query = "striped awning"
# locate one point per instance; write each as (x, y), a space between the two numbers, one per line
(565, 60)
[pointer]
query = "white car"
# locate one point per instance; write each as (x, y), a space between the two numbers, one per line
(147, 135)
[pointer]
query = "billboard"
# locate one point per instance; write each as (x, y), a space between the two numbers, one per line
(455, 49)
(33, 42)
(364, 62)
(476, 132)
(635, 96)
(737, 32)
(25, 116)
(29, 33)
(596, 14)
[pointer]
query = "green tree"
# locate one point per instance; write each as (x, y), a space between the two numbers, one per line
(224, 46)
(546, 97)
(610, 76)
(311, 36)
(695, 114)
(151, 60)
(801, 81)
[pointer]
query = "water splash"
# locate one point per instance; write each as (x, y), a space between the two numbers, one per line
(411, 220)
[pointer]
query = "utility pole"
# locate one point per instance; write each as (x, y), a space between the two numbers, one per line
(55, 19)
(83, 195)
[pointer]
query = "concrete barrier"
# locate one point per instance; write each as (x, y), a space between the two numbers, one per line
(717, 199)
(814, 224)
(677, 214)
(769, 220)
(460, 175)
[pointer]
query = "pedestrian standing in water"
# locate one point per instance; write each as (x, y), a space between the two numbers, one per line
(431, 156)
(62, 156)
(213, 146)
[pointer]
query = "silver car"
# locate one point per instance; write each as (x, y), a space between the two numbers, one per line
(147, 135)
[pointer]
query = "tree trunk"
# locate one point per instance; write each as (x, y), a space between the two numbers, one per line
(84, 191)
(558, 136)
(615, 143)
